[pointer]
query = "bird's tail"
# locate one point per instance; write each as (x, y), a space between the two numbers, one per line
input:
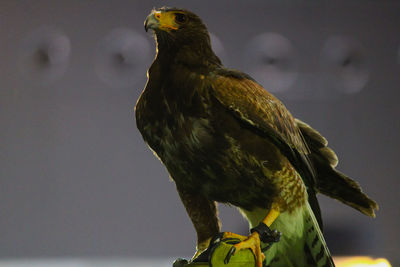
(315, 246)
(329, 181)
(302, 243)
(338, 186)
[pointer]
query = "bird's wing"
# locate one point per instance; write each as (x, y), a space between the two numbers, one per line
(262, 112)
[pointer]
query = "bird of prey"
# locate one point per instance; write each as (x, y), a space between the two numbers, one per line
(224, 138)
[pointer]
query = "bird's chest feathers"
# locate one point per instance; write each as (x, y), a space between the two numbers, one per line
(178, 111)
(181, 137)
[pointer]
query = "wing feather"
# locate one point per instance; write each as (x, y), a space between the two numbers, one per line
(257, 108)
(251, 103)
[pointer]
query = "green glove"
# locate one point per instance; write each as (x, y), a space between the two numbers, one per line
(217, 253)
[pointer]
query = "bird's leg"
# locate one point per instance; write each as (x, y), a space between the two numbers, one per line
(271, 216)
(253, 241)
(204, 216)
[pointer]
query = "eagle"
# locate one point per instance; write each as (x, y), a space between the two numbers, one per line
(223, 138)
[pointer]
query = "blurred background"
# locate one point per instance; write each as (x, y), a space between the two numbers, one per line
(77, 180)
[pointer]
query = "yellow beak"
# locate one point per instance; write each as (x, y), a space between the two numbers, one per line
(160, 20)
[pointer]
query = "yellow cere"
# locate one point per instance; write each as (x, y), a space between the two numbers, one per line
(166, 19)
(361, 261)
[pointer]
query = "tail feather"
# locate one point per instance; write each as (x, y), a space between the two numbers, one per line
(338, 186)
(315, 248)
(329, 181)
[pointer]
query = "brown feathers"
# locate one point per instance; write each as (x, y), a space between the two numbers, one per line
(254, 104)
(224, 138)
(329, 181)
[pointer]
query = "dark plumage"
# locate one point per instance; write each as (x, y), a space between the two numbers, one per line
(224, 138)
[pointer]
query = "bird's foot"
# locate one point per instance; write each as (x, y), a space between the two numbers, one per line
(251, 242)
(201, 246)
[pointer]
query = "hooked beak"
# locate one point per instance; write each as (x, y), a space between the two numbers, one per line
(151, 22)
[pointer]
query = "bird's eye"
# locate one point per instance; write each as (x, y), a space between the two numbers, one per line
(180, 18)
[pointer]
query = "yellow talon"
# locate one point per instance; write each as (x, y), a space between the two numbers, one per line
(233, 235)
(201, 247)
(251, 242)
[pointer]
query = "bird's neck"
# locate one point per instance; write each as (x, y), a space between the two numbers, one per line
(191, 54)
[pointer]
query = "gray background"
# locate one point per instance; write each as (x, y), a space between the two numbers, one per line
(76, 179)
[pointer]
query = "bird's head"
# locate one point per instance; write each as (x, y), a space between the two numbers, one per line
(176, 27)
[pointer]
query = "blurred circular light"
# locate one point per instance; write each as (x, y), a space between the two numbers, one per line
(271, 61)
(122, 57)
(346, 61)
(44, 55)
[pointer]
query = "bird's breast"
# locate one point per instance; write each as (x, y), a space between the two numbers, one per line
(176, 137)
